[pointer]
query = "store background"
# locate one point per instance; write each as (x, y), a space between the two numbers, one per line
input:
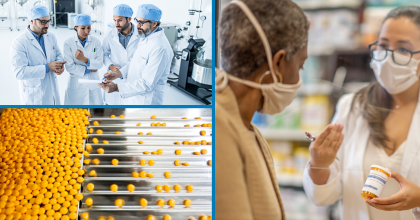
(338, 63)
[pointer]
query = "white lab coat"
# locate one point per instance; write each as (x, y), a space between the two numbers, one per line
(346, 178)
(116, 54)
(144, 81)
(28, 64)
(76, 93)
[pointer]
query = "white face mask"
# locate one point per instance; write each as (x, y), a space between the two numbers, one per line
(277, 96)
(395, 78)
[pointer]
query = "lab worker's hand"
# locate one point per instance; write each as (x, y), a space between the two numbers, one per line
(407, 198)
(81, 56)
(109, 87)
(324, 149)
(112, 75)
(114, 68)
(59, 71)
(56, 65)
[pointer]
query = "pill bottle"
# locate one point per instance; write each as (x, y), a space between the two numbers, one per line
(375, 183)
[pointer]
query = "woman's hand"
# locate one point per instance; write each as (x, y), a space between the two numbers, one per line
(407, 198)
(80, 56)
(324, 149)
(323, 152)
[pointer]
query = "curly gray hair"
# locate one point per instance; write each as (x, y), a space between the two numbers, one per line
(242, 51)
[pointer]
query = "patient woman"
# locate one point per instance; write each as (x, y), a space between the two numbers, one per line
(381, 126)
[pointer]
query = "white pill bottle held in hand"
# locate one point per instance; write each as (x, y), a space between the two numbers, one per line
(375, 183)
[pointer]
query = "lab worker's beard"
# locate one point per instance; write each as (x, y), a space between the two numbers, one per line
(127, 24)
(145, 33)
(39, 30)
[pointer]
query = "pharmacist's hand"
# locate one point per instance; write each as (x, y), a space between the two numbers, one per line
(324, 149)
(407, 198)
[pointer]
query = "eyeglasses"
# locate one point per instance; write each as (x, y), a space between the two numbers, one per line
(379, 53)
(43, 22)
(141, 22)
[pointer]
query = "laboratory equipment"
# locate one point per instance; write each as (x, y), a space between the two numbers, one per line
(171, 33)
(70, 19)
(202, 67)
(186, 83)
(20, 12)
(95, 14)
(4, 15)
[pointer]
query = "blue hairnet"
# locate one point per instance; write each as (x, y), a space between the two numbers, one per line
(149, 12)
(82, 19)
(123, 10)
(38, 11)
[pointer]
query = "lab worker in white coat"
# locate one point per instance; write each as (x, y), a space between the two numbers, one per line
(84, 57)
(119, 46)
(143, 81)
(37, 61)
(381, 124)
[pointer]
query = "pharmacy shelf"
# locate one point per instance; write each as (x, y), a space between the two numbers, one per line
(318, 88)
(328, 4)
(285, 134)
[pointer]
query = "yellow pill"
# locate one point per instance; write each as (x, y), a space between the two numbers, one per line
(160, 202)
(140, 133)
(143, 174)
(168, 174)
(143, 202)
(167, 188)
(202, 133)
(171, 202)
(88, 147)
(177, 143)
(159, 151)
(90, 130)
(187, 202)
(146, 152)
(151, 217)
(110, 218)
(159, 188)
(151, 162)
(117, 132)
(149, 133)
(112, 116)
(153, 117)
(177, 162)
(96, 123)
(89, 201)
(209, 162)
(177, 187)
(203, 217)
(167, 217)
(203, 125)
(187, 125)
(152, 124)
(150, 175)
(138, 124)
(114, 162)
(135, 174)
(122, 116)
(93, 173)
(164, 124)
(80, 179)
(84, 215)
(87, 161)
(79, 196)
(177, 151)
(197, 125)
(119, 202)
(95, 140)
(100, 151)
(105, 142)
(197, 117)
(185, 164)
(140, 142)
(154, 152)
(131, 187)
(114, 188)
(185, 142)
(208, 143)
(143, 162)
(203, 142)
(189, 188)
(90, 186)
(184, 118)
(99, 131)
(196, 153)
(96, 161)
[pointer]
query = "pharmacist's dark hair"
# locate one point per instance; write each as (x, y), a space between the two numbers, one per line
(242, 50)
(375, 102)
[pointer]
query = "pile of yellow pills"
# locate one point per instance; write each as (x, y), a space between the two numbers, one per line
(40, 165)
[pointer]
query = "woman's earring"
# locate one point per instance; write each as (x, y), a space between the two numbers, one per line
(263, 75)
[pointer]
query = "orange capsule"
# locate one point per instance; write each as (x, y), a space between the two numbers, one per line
(143, 174)
(177, 162)
(105, 142)
(177, 143)
(89, 201)
(185, 142)
(187, 202)
(99, 131)
(146, 152)
(122, 116)
(140, 133)
(143, 202)
(159, 151)
(171, 203)
(90, 186)
(196, 153)
(151, 217)
(140, 142)
(143, 162)
(96, 161)
(149, 133)
(203, 142)
(95, 140)
(202, 133)
(177, 151)
(93, 173)
(114, 162)
(151, 162)
(113, 188)
(197, 117)
(167, 188)
(185, 164)
(177, 187)
(131, 187)
(167, 217)
(119, 202)
(135, 174)
(209, 143)
(153, 117)
(159, 188)
(167, 174)
(184, 118)
(160, 202)
(189, 188)
(138, 124)
(100, 151)
(117, 132)
(96, 123)
(112, 116)
(150, 175)
(187, 125)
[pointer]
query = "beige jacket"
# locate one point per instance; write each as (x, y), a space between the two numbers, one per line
(241, 192)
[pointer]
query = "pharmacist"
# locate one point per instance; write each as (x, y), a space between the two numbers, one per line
(381, 126)
(264, 78)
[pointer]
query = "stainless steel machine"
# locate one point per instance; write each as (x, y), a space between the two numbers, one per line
(160, 146)
(6, 14)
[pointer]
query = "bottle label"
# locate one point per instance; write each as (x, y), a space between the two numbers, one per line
(375, 182)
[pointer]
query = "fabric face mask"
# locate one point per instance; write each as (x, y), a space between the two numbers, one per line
(395, 78)
(277, 96)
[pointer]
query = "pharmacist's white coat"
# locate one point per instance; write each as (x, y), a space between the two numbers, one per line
(346, 177)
